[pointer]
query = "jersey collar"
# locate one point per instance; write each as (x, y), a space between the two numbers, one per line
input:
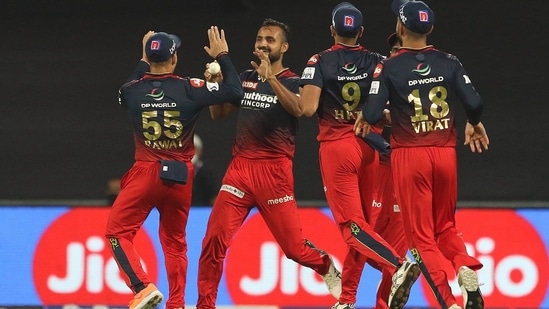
(348, 47)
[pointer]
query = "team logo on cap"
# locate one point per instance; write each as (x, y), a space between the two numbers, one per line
(423, 16)
(155, 45)
(348, 21)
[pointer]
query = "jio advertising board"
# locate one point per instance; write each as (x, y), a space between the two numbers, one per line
(57, 255)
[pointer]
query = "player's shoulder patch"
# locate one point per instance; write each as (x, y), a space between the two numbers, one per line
(374, 87)
(197, 82)
(308, 73)
(378, 69)
(313, 60)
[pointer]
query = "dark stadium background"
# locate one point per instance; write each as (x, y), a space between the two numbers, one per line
(62, 62)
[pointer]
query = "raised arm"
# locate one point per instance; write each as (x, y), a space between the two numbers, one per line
(288, 99)
(143, 65)
(230, 90)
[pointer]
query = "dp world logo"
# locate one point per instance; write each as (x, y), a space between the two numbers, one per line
(422, 69)
(350, 68)
(157, 94)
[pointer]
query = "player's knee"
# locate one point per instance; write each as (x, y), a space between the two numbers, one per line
(294, 256)
(216, 246)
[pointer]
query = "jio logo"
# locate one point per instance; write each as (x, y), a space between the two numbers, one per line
(515, 269)
(73, 262)
(258, 272)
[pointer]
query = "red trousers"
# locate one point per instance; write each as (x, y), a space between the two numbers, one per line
(141, 191)
(248, 183)
(348, 167)
(385, 213)
(425, 180)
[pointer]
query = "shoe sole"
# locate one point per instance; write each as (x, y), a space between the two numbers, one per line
(335, 290)
(151, 301)
(472, 299)
(403, 292)
(346, 307)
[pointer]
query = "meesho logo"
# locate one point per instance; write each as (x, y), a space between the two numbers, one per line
(258, 272)
(515, 271)
(73, 262)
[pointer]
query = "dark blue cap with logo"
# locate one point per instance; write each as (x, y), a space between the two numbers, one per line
(161, 46)
(346, 19)
(416, 16)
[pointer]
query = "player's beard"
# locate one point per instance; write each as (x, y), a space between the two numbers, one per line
(274, 57)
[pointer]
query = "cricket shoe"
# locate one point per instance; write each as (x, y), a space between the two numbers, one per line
(454, 306)
(147, 298)
(333, 280)
(403, 279)
(468, 282)
(343, 306)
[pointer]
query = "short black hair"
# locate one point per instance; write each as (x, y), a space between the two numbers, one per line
(285, 28)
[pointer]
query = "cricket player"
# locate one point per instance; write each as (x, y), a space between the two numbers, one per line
(424, 87)
(163, 109)
(335, 85)
(261, 171)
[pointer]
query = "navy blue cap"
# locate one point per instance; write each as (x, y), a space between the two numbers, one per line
(416, 16)
(346, 19)
(161, 46)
